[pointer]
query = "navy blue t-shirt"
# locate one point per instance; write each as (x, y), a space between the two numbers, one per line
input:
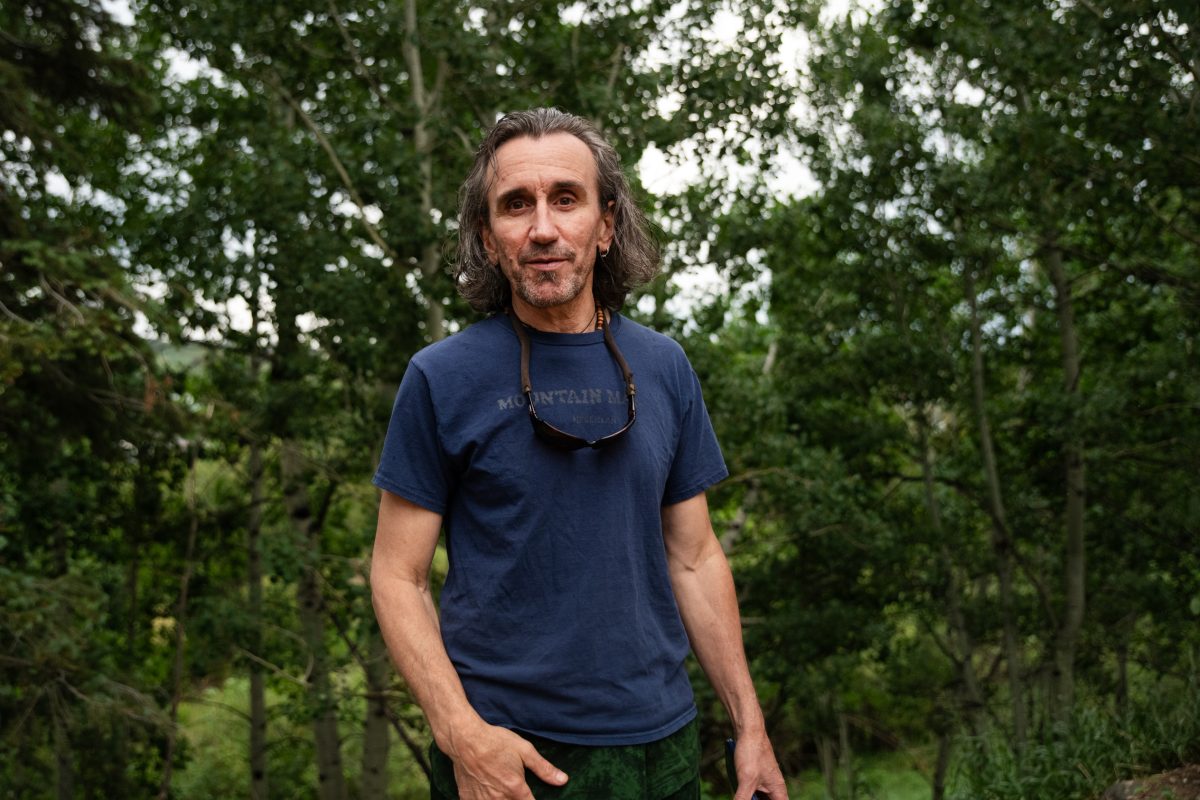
(557, 610)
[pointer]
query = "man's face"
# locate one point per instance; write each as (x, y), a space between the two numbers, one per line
(546, 219)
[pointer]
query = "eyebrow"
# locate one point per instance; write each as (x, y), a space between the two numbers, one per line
(557, 188)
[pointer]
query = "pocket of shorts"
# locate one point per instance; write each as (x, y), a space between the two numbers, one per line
(441, 774)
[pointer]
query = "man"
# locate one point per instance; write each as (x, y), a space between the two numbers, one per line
(581, 556)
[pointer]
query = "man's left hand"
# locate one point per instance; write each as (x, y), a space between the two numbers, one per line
(757, 770)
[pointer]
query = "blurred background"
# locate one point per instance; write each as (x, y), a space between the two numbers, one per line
(937, 264)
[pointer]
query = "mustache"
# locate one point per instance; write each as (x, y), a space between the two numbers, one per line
(546, 252)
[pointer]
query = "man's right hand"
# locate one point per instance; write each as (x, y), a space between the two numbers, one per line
(490, 764)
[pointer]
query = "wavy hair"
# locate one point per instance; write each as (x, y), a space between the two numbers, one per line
(633, 257)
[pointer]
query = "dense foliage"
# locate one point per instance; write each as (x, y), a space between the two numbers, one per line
(955, 379)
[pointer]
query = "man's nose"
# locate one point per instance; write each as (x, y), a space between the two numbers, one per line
(543, 228)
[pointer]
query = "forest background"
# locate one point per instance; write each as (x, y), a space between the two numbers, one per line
(948, 338)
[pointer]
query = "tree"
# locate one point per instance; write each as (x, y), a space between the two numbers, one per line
(972, 159)
(87, 428)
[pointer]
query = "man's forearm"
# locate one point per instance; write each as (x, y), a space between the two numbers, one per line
(703, 586)
(708, 605)
(408, 620)
(488, 761)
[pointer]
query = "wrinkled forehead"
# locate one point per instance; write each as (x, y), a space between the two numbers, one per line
(533, 163)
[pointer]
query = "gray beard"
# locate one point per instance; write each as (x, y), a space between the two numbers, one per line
(574, 285)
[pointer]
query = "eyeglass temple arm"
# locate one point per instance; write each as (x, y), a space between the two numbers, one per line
(630, 388)
(523, 337)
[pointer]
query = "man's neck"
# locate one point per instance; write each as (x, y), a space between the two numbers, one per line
(576, 316)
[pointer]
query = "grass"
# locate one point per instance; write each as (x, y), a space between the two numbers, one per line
(884, 776)
(215, 738)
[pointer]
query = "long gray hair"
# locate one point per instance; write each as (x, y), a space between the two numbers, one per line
(633, 257)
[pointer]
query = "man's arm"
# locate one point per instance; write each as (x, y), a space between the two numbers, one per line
(703, 587)
(489, 762)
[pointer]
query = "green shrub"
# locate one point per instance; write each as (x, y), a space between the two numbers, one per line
(1080, 759)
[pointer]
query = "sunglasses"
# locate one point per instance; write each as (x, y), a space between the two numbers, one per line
(560, 438)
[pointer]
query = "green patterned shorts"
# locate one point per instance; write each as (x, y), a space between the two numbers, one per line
(664, 770)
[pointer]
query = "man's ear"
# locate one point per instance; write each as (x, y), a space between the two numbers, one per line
(607, 220)
(489, 244)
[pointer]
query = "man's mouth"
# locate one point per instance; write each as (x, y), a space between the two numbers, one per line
(546, 261)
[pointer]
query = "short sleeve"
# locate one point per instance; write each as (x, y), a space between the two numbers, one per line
(698, 463)
(413, 463)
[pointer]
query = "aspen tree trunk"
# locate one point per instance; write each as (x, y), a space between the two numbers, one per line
(377, 670)
(1045, 683)
(64, 769)
(846, 756)
(181, 610)
(259, 787)
(737, 525)
(426, 102)
(942, 766)
(1122, 693)
(971, 699)
(331, 780)
(259, 784)
(1001, 540)
(1074, 547)
(376, 726)
(116, 783)
(294, 480)
(828, 766)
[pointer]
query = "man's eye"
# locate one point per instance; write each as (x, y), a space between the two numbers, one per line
(566, 200)
(517, 205)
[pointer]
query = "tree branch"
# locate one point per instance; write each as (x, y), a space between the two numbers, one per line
(279, 671)
(359, 65)
(614, 70)
(276, 83)
(1173, 50)
(439, 81)
(1170, 223)
(412, 57)
(62, 301)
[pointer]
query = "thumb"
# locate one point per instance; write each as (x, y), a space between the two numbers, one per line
(543, 768)
(745, 792)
